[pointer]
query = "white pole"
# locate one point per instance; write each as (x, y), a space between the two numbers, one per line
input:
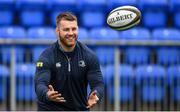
(116, 80)
(13, 80)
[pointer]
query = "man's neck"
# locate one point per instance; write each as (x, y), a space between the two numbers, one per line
(64, 48)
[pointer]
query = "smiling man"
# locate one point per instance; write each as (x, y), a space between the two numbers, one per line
(67, 67)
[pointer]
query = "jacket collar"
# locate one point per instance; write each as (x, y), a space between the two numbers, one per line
(58, 45)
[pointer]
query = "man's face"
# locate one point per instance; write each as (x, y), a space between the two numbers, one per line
(68, 33)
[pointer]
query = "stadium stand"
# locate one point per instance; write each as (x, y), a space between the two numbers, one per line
(149, 71)
(25, 83)
(173, 79)
(137, 55)
(4, 74)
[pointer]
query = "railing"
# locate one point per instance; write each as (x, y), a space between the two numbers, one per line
(115, 43)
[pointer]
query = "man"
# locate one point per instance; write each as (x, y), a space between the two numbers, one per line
(64, 70)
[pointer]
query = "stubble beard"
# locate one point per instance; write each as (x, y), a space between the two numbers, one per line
(65, 43)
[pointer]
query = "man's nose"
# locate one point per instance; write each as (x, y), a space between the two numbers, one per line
(70, 32)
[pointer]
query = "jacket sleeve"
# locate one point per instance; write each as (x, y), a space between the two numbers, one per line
(94, 76)
(42, 78)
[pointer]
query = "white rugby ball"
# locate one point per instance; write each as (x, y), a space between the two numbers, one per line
(124, 17)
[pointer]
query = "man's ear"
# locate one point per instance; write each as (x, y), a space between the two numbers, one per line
(57, 31)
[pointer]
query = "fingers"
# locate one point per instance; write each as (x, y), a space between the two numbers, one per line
(94, 92)
(91, 105)
(60, 99)
(93, 99)
(54, 95)
(50, 87)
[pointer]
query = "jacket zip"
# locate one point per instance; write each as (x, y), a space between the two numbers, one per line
(69, 63)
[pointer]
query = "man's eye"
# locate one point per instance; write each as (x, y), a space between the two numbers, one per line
(74, 29)
(66, 29)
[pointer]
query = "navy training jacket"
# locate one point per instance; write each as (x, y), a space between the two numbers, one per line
(68, 76)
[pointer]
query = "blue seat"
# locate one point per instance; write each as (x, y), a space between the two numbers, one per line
(105, 55)
(136, 34)
(7, 17)
(137, 55)
(159, 22)
(103, 33)
(14, 32)
(30, 5)
(83, 34)
(116, 3)
(53, 16)
(92, 5)
(36, 52)
(168, 56)
(63, 5)
(176, 19)
(6, 54)
(126, 74)
(151, 83)
(153, 5)
(109, 74)
(7, 4)
(90, 19)
(25, 82)
(4, 74)
(174, 5)
(173, 76)
(166, 34)
(41, 33)
(30, 18)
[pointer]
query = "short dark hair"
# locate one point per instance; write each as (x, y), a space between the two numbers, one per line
(65, 16)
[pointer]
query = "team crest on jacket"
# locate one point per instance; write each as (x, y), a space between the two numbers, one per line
(82, 63)
(58, 64)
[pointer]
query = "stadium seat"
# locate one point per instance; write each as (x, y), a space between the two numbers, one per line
(7, 5)
(30, 5)
(14, 32)
(105, 55)
(83, 34)
(176, 18)
(151, 83)
(173, 76)
(24, 82)
(136, 34)
(161, 5)
(53, 16)
(36, 52)
(90, 19)
(103, 33)
(30, 18)
(174, 5)
(137, 55)
(153, 19)
(4, 74)
(41, 33)
(166, 34)
(92, 5)
(6, 54)
(7, 17)
(116, 3)
(126, 82)
(168, 56)
(63, 5)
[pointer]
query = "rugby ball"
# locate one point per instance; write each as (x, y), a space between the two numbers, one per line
(124, 17)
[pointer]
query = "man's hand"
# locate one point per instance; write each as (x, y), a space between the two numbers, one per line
(93, 99)
(54, 95)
